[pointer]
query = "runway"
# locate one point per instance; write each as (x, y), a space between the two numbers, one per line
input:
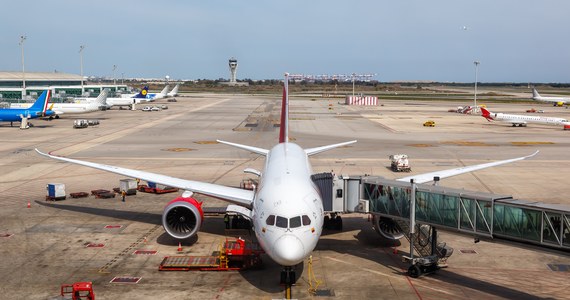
(45, 245)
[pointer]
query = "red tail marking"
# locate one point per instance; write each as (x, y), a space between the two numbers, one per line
(284, 126)
(486, 114)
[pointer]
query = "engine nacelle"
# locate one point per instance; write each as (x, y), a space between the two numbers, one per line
(182, 217)
(387, 228)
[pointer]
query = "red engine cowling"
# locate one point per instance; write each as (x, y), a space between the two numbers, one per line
(182, 217)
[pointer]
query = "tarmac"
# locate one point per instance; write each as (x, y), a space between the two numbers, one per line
(45, 245)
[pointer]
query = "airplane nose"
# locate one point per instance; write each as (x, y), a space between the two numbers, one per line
(288, 250)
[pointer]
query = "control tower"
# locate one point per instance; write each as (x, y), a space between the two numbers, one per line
(233, 69)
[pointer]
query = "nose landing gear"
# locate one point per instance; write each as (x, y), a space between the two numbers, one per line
(288, 279)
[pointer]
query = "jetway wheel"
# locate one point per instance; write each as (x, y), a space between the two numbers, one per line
(414, 271)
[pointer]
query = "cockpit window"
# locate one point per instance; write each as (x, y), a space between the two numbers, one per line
(295, 222)
(270, 220)
(281, 222)
(306, 220)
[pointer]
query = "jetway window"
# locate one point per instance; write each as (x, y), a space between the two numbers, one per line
(270, 220)
(306, 220)
(281, 222)
(552, 224)
(295, 222)
(517, 222)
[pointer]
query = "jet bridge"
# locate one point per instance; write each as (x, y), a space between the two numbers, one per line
(479, 214)
(476, 213)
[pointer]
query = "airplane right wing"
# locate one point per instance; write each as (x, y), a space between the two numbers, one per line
(233, 195)
(427, 177)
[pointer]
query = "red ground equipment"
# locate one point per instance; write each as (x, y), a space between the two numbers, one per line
(78, 291)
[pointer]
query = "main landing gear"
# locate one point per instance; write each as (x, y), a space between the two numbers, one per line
(333, 222)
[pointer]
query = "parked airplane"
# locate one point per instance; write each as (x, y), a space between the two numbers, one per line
(556, 101)
(286, 208)
(156, 96)
(174, 91)
(81, 106)
(521, 120)
(140, 96)
(36, 110)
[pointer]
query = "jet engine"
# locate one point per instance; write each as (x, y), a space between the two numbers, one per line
(387, 228)
(182, 217)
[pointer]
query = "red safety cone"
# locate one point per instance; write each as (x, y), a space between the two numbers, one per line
(179, 247)
(29, 204)
(145, 240)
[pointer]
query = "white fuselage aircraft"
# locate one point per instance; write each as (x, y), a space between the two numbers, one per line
(522, 120)
(285, 208)
(556, 101)
(156, 96)
(81, 106)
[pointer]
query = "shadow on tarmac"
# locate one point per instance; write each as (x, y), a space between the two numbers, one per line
(368, 245)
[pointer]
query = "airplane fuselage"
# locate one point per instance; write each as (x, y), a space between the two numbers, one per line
(287, 209)
(521, 119)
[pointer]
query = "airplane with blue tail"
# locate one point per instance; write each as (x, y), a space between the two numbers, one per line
(37, 110)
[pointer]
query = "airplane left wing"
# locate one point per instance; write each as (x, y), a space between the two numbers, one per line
(230, 194)
(427, 177)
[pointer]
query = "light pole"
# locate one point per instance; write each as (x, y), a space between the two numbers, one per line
(114, 78)
(81, 66)
(353, 74)
(475, 98)
(22, 39)
(122, 78)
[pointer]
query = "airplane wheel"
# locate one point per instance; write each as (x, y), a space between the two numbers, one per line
(283, 277)
(326, 222)
(292, 277)
(414, 271)
(338, 224)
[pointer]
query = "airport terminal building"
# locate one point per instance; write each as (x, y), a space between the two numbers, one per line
(62, 84)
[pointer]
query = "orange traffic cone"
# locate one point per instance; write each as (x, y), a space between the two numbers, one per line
(145, 240)
(29, 204)
(179, 247)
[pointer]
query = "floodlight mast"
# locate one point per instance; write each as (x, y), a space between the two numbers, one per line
(475, 96)
(22, 40)
(81, 66)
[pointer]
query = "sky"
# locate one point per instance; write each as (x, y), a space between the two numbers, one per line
(514, 40)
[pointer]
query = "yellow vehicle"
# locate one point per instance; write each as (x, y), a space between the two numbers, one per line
(429, 124)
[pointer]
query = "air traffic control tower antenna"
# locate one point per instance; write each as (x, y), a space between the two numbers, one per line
(233, 69)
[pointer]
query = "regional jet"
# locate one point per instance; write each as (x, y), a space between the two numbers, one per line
(556, 101)
(286, 208)
(36, 110)
(522, 120)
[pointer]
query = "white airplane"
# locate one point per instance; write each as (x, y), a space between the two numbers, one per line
(556, 101)
(174, 91)
(521, 120)
(286, 208)
(156, 96)
(81, 106)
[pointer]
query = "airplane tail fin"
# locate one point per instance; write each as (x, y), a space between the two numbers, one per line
(142, 93)
(174, 91)
(102, 98)
(164, 91)
(486, 114)
(535, 93)
(284, 126)
(42, 102)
